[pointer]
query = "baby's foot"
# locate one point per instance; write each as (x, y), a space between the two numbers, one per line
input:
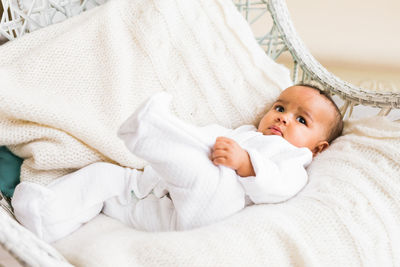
(135, 126)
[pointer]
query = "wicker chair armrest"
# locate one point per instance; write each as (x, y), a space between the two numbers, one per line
(23, 245)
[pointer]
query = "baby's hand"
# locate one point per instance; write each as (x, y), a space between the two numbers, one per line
(228, 153)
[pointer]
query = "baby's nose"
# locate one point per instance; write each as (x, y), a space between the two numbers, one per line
(282, 118)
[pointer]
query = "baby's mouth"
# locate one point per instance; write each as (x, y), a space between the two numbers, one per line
(275, 130)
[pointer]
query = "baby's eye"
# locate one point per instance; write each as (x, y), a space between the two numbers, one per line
(279, 108)
(301, 120)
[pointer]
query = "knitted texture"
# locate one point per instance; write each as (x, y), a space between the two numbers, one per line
(67, 88)
(348, 215)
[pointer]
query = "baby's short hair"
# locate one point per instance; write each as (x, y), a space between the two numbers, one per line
(337, 126)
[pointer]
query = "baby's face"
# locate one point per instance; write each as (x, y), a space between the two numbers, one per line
(302, 116)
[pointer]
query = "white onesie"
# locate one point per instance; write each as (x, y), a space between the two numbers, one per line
(180, 189)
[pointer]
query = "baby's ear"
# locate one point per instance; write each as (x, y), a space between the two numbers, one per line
(321, 146)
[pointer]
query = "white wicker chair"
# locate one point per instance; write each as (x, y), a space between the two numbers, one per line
(22, 16)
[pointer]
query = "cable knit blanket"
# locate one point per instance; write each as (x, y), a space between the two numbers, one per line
(67, 88)
(348, 215)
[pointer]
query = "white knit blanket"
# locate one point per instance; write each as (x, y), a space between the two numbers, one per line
(66, 89)
(348, 215)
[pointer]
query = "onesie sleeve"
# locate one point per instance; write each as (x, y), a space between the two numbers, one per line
(277, 178)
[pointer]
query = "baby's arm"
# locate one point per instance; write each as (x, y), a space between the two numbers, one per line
(228, 153)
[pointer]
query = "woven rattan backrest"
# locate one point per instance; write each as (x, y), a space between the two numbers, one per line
(19, 17)
(282, 37)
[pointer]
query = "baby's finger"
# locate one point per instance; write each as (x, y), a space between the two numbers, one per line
(219, 161)
(220, 146)
(223, 143)
(219, 153)
(224, 139)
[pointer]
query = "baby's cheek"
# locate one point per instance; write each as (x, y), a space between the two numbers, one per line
(297, 138)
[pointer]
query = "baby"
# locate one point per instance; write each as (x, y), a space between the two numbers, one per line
(196, 175)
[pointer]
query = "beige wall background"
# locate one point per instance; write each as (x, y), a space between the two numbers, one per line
(360, 31)
(358, 40)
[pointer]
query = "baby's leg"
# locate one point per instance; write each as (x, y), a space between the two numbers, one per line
(151, 213)
(171, 146)
(179, 152)
(60, 208)
(130, 211)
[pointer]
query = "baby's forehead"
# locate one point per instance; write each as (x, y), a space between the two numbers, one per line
(302, 96)
(300, 90)
(308, 99)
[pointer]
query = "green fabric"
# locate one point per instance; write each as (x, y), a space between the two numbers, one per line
(10, 166)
